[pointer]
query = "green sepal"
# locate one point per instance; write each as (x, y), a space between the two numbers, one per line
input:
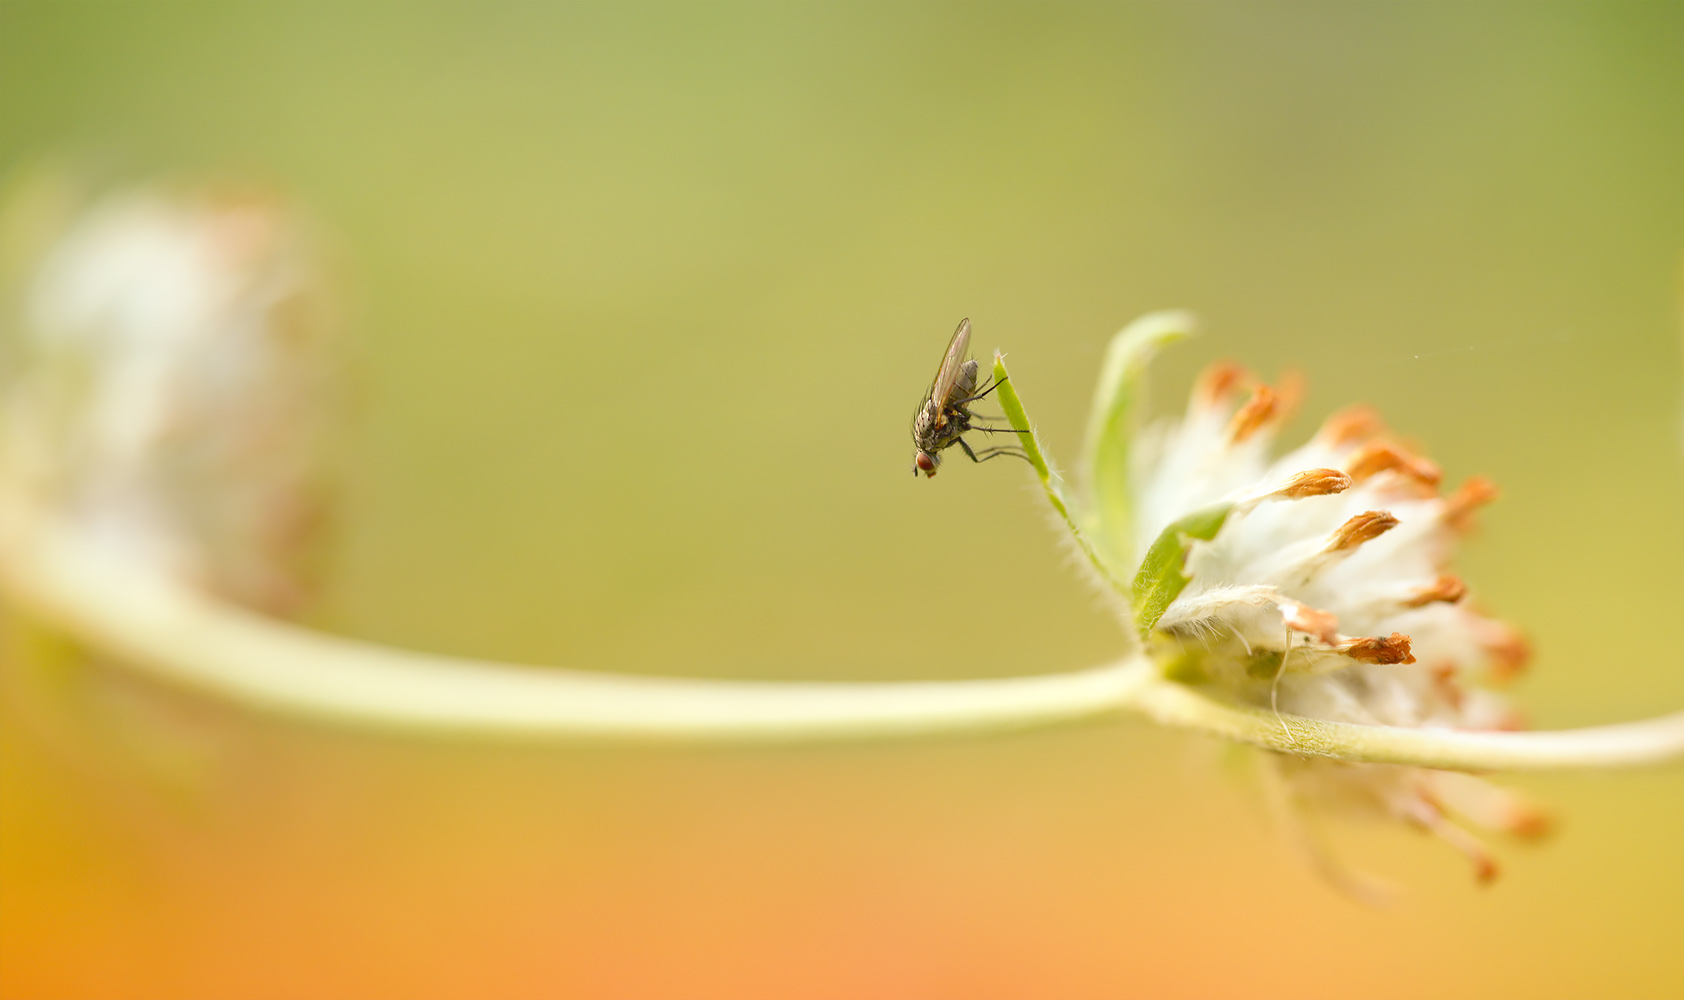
(1111, 429)
(1162, 574)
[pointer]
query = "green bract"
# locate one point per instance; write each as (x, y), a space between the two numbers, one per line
(1112, 424)
(1162, 575)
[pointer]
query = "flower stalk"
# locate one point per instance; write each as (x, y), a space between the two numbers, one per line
(200, 642)
(1223, 584)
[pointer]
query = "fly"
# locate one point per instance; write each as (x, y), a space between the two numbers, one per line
(945, 414)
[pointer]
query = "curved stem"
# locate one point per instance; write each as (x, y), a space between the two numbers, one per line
(186, 638)
(193, 640)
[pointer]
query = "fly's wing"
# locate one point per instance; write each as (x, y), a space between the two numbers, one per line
(948, 374)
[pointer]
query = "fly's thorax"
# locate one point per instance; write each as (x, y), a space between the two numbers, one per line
(955, 420)
(925, 425)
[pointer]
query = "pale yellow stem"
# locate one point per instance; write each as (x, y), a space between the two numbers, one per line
(186, 638)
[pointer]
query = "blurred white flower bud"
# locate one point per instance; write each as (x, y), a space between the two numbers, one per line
(171, 384)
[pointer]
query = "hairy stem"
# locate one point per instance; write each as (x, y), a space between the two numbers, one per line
(1051, 482)
(1651, 741)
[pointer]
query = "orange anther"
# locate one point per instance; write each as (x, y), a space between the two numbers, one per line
(1257, 412)
(1376, 457)
(1364, 527)
(1473, 494)
(1314, 483)
(1392, 648)
(1218, 381)
(1509, 650)
(1324, 625)
(1446, 590)
(1352, 425)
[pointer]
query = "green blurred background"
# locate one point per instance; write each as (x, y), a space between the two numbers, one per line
(645, 296)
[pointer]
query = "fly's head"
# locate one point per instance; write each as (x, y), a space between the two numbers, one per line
(926, 424)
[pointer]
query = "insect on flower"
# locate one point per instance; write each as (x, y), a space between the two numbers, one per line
(944, 414)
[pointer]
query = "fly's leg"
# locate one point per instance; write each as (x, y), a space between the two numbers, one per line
(987, 388)
(990, 418)
(988, 453)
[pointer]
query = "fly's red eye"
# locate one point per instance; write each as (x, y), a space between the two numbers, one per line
(925, 462)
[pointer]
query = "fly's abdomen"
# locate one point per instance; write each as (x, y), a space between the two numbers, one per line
(964, 387)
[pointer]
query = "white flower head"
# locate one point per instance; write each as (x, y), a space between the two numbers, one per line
(1317, 584)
